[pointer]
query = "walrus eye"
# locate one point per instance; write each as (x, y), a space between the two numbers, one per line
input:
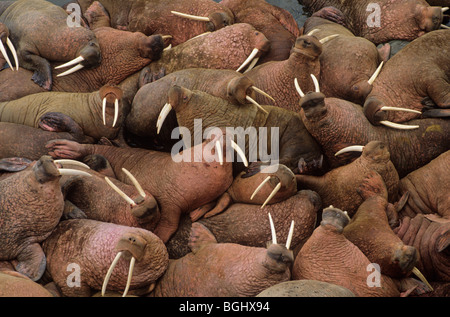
(256, 33)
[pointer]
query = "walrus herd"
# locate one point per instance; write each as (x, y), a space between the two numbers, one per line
(221, 148)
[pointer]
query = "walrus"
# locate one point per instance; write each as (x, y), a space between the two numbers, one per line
(40, 34)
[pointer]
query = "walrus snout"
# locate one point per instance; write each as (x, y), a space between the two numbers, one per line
(372, 110)
(313, 104)
(151, 47)
(91, 54)
(406, 257)
(335, 217)
(308, 45)
(45, 169)
(429, 18)
(218, 20)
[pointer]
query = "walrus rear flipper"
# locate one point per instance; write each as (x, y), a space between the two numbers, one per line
(436, 113)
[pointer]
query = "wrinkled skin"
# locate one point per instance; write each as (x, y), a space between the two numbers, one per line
(14, 284)
(48, 109)
(223, 269)
(430, 235)
(428, 189)
(244, 185)
(277, 24)
(154, 17)
(426, 88)
(294, 142)
(306, 288)
(123, 54)
(336, 124)
(277, 78)
(226, 48)
(31, 206)
(162, 176)
(329, 257)
(96, 200)
(339, 186)
(370, 231)
(93, 245)
(152, 96)
(28, 142)
(399, 20)
(347, 62)
(248, 224)
(41, 23)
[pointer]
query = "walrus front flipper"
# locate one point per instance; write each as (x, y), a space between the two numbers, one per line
(41, 67)
(32, 262)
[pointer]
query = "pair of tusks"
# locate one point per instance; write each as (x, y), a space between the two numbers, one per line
(251, 58)
(274, 234)
(235, 147)
(116, 111)
(256, 103)
(299, 90)
(72, 172)
(76, 68)
(110, 270)
(272, 194)
(121, 193)
(13, 51)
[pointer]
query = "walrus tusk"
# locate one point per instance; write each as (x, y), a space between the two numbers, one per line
(444, 9)
(168, 47)
(262, 93)
(419, 274)
(252, 64)
(312, 32)
(71, 71)
(72, 172)
(328, 38)
(116, 112)
(165, 37)
(256, 104)
(272, 230)
(249, 58)
(135, 182)
(189, 16)
(400, 109)
(444, 26)
(104, 110)
(13, 51)
(162, 116)
(316, 83)
(130, 275)
(291, 233)
(121, 193)
(272, 194)
(259, 187)
(375, 74)
(353, 148)
(73, 162)
(297, 87)
(5, 55)
(219, 152)
(197, 36)
(108, 274)
(77, 60)
(239, 152)
(399, 126)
